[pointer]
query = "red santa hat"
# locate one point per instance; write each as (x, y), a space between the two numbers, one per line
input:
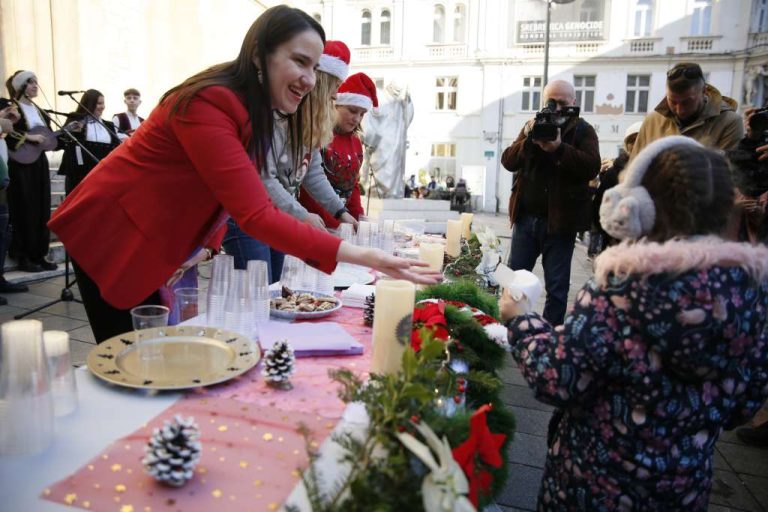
(335, 60)
(358, 91)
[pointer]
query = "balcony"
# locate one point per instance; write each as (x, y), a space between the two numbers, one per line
(699, 44)
(373, 54)
(447, 51)
(758, 39)
(642, 45)
(588, 48)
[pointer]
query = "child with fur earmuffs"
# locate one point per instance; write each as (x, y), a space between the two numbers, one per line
(663, 349)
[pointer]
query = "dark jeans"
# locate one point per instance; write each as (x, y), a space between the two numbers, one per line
(5, 233)
(529, 240)
(245, 248)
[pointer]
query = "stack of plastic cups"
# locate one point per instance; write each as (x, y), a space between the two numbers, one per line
(387, 236)
(236, 312)
(364, 233)
(346, 233)
(258, 291)
(221, 272)
(323, 284)
(292, 276)
(63, 383)
(374, 239)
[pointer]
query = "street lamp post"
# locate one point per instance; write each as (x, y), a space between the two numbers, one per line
(546, 37)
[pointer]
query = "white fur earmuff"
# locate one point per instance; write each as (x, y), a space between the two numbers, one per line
(627, 210)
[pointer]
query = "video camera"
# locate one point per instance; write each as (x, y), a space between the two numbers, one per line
(549, 119)
(758, 125)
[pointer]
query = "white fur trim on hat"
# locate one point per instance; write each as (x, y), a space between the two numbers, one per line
(355, 100)
(20, 79)
(333, 66)
(627, 210)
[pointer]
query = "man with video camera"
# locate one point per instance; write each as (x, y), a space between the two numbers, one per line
(553, 160)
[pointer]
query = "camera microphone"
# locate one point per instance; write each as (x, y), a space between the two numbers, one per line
(68, 93)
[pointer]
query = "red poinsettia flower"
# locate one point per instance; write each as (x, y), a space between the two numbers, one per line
(484, 319)
(428, 317)
(484, 446)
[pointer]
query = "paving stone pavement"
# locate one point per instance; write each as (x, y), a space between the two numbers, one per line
(741, 472)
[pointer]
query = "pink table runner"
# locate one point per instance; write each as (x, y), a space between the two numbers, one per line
(252, 451)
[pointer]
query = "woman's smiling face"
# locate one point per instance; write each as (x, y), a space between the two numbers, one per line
(291, 69)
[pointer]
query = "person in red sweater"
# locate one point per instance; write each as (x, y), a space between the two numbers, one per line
(343, 157)
(158, 204)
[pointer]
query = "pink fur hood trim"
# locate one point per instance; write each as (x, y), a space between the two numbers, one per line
(678, 256)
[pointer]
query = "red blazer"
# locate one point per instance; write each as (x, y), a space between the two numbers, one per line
(160, 196)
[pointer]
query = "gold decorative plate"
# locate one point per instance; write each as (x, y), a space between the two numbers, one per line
(177, 357)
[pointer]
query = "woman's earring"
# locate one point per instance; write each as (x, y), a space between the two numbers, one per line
(259, 77)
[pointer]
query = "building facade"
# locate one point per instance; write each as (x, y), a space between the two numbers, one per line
(474, 68)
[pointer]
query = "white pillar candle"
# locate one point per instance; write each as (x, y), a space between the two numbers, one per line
(432, 254)
(392, 321)
(466, 223)
(453, 237)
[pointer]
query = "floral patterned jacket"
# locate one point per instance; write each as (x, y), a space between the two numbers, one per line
(664, 349)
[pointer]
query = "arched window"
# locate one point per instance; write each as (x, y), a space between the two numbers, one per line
(318, 17)
(591, 10)
(438, 24)
(701, 17)
(459, 24)
(643, 18)
(384, 26)
(365, 28)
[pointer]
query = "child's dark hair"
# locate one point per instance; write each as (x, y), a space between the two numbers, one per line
(692, 191)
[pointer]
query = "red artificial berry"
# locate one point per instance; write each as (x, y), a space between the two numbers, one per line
(401, 428)
(459, 347)
(461, 381)
(457, 399)
(415, 419)
(462, 389)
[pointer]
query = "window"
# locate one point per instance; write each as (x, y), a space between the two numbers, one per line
(447, 88)
(591, 10)
(384, 25)
(438, 24)
(443, 161)
(531, 93)
(318, 18)
(459, 24)
(365, 29)
(638, 87)
(585, 92)
(760, 16)
(701, 17)
(643, 18)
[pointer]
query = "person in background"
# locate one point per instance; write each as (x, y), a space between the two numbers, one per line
(692, 108)
(9, 115)
(432, 185)
(96, 135)
(158, 204)
(664, 349)
(287, 169)
(343, 157)
(609, 178)
(127, 122)
(550, 200)
(29, 193)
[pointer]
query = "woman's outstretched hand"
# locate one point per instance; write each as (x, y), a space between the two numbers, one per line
(398, 268)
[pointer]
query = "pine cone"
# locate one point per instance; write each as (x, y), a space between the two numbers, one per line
(370, 304)
(279, 364)
(173, 452)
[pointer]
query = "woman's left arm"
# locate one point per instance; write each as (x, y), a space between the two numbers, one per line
(562, 364)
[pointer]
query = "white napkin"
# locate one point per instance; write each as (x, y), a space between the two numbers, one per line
(355, 295)
(305, 336)
(520, 283)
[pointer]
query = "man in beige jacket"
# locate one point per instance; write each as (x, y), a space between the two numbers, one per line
(692, 108)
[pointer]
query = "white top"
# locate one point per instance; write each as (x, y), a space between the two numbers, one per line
(95, 132)
(32, 115)
(133, 118)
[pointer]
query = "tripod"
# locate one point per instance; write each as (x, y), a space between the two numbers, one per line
(66, 292)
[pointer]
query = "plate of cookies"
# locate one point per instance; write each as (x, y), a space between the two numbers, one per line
(301, 304)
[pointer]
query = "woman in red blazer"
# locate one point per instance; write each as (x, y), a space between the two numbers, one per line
(159, 201)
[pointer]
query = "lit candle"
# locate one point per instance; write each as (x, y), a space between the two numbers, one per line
(466, 223)
(392, 321)
(453, 236)
(432, 254)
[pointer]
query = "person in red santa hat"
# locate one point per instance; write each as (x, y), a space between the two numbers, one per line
(343, 157)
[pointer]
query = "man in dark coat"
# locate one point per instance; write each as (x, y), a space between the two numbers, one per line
(550, 199)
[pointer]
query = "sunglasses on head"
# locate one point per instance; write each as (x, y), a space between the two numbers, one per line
(689, 71)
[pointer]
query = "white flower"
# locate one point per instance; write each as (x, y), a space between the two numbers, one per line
(488, 240)
(498, 333)
(445, 488)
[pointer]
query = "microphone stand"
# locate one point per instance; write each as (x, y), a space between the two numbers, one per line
(66, 292)
(112, 134)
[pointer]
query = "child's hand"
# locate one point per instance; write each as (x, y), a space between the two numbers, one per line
(510, 308)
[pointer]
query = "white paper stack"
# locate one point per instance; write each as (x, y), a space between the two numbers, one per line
(354, 296)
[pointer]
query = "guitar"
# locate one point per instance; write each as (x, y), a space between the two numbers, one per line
(29, 152)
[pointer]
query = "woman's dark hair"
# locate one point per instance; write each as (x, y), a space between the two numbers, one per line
(692, 191)
(89, 100)
(274, 27)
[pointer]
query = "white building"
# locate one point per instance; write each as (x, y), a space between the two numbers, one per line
(474, 67)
